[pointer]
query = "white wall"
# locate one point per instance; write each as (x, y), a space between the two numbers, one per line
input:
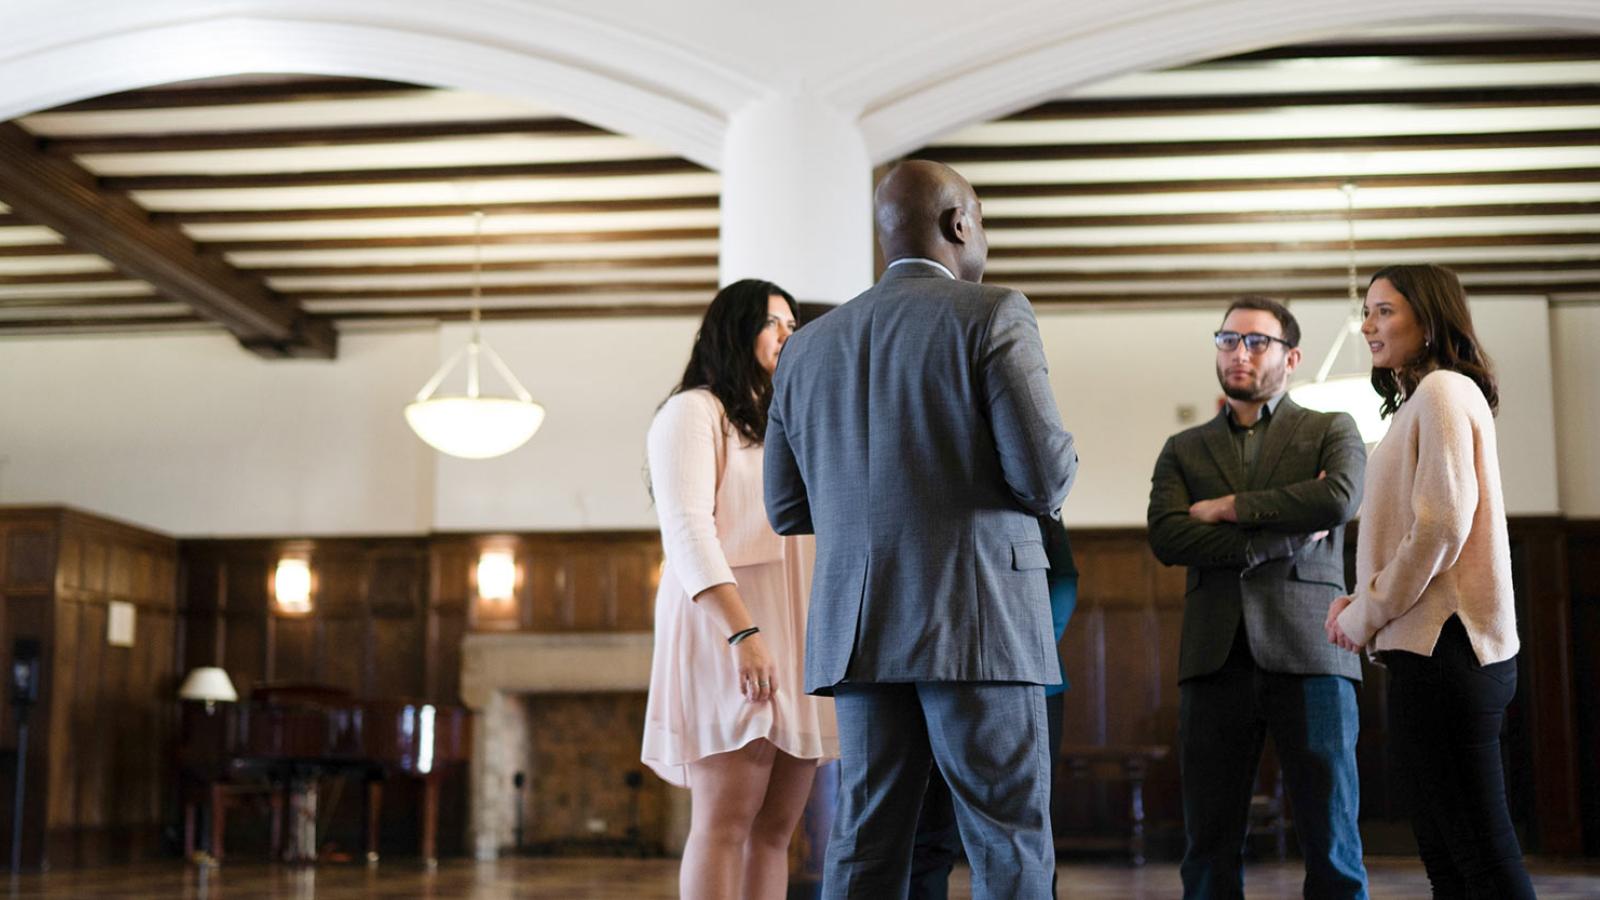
(1119, 378)
(1575, 340)
(193, 436)
(1516, 333)
(600, 381)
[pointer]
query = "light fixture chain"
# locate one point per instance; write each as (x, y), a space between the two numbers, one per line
(1349, 189)
(475, 342)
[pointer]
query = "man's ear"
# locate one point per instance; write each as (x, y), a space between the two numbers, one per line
(1292, 359)
(954, 225)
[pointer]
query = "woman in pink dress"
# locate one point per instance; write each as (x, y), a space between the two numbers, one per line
(727, 716)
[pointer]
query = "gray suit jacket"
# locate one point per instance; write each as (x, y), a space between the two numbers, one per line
(913, 430)
(1265, 567)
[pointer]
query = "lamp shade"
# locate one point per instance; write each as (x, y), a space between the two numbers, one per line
(475, 427)
(210, 684)
(1351, 394)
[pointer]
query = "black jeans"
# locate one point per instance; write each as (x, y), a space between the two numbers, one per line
(1445, 715)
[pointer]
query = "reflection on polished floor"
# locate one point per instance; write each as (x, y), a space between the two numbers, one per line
(614, 879)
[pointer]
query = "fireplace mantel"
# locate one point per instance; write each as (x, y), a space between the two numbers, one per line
(526, 663)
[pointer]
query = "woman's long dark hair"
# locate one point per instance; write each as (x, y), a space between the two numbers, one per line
(724, 360)
(1440, 306)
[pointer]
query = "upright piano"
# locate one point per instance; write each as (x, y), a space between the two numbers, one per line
(286, 738)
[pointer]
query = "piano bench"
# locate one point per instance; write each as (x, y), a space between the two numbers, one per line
(218, 797)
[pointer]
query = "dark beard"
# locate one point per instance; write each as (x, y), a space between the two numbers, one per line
(1242, 394)
(1264, 390)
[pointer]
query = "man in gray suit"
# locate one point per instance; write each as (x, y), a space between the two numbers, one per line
(913, 430)
(1254, 503)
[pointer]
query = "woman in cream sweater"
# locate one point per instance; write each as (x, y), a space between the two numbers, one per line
(727, 715)
(1433, 590)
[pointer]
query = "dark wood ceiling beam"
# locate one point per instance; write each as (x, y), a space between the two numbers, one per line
(1484, 210)
(987, 190)
(609, 264)
(1179, 297)
(565, 311)
(512, 290)
(1576, 47)
(521, 208)
(1460, 267)
(95, 324)
(1386, 143)
(1295, 292)
(47, 301)
(1395, 98)
(537, 238)
(35, 278)
(62, 195)
(617, 168)
(282, 138)
(299, 90)
(1067, 251)
(19, 250)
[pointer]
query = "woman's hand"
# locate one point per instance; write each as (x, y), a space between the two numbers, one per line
(757, 672)
(1335, 633)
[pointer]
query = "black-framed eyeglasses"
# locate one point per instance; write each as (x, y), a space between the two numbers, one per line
(1255, 341)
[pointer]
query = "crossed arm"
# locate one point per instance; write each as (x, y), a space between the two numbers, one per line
(1249, 528)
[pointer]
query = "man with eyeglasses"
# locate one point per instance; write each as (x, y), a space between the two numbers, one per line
(1254, 503)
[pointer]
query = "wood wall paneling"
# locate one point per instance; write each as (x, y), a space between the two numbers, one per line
(549, 604)
(590, 598)
(1120, 653)
(1545, 709)
(1583, 562)
(295, 652)
(390, 615)
(246, 639)
(30, 558)
(99, 754)
(397, 645)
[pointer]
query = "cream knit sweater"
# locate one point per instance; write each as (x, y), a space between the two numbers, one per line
(1433, 528)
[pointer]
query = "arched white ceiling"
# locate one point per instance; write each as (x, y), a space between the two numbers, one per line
(54, 52)
(1031, 55)
(672, 73)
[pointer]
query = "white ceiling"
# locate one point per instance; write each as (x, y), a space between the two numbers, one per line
(1143, 223)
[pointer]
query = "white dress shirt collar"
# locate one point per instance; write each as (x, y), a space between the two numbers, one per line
(927, 262)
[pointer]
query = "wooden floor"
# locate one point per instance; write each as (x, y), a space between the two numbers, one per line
(593, 879)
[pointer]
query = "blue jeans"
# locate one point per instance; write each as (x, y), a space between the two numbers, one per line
(1223, 719)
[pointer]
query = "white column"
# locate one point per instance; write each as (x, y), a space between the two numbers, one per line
(797, 199)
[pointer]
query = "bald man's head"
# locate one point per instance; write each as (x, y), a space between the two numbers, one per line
(926, 209)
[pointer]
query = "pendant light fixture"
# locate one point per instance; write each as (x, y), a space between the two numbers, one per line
(474, 426)
(1351, 393)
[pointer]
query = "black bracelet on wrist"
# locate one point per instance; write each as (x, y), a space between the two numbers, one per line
(738, 636)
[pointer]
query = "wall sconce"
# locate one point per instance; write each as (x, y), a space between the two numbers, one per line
(497, 576)
(291, 585)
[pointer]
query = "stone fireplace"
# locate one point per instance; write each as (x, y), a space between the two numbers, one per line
(501, 674)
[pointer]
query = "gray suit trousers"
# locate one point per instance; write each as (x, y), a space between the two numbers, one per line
(991, 743)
